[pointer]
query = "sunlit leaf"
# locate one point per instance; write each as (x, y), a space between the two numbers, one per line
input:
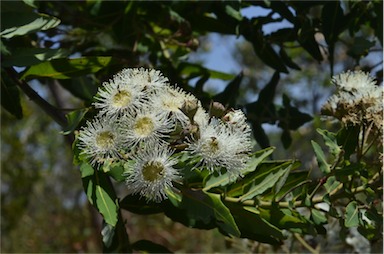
(26, 22)
(213, 180)
(351, 215)
(102, 196)
(66, 68)
(330, 141)
(331, 184)
(320, 157)
(86, 170)
(266, 181)
(318, 217)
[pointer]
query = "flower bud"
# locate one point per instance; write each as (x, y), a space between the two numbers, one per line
(216, 109)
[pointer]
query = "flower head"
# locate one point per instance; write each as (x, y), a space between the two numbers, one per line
(221, 146)
(100, 140)
(353, 80)
(148, 80)
(171, 100)
(119, 95)
(146, 124)
(357, 101)
(152, 173)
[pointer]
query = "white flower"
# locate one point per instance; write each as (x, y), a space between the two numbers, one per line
(99, 140)
(146, 124)
(152, 172)
(171, 100)
(221, 146)
(121, 94)
(201, 117)
(148, 80)
(357, 101)
(353, 80)
(237, 120)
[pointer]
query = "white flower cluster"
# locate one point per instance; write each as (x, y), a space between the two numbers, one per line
(143, 118)
(358, 100)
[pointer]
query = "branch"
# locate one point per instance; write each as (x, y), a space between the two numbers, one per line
(53, 112)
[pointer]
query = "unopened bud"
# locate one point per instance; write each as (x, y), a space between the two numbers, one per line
(189, 108)
(216, 109)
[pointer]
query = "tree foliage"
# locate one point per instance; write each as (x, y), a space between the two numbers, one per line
(80, 45)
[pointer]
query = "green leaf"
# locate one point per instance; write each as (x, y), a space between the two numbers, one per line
(229, 96)
(266, 180)
(74, 118)
(331, 184)
(348, 138)
(281, 182)
(330, 141)
(318, 217)
(360, 47)
(30, 3)
(290, 118)
(137, 204)
(253, 226)
(102, 196)
(194, 70)
(286, 138)
(115, 238)
(263, 110)
(86, 170)
(320, 157)
(287, 219)
(66, 68)
(10, 98)
(31, 56)
(212, 180)
(116, 170)
(333, 21)
(26, 22)
(291, 185)
(83, 87)
(233, 13)
(149, 247)
(204, 206)
(352, 215)
(288, 60)
(267, 54)
(306, 38)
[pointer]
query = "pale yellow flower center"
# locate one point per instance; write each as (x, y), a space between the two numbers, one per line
(105, 139)
(152, 171)
(121, 99)
(211, 146)
(144, 126)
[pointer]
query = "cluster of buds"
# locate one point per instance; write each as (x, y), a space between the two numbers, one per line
(144, 120)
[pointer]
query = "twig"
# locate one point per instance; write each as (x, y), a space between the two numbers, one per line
(305, 244)
(53, 112)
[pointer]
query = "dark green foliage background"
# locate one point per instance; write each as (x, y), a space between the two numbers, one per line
(64, 50)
